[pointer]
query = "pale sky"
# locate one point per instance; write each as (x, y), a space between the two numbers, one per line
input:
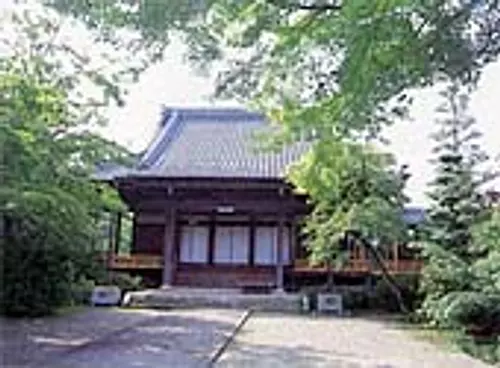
(172, 83)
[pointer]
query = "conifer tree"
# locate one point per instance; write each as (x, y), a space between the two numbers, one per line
(457, 203)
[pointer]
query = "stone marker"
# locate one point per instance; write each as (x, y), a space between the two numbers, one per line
(330, 303)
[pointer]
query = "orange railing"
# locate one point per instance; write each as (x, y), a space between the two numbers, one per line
(134, 261)
(361, 265)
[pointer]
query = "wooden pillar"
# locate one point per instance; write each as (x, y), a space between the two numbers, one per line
(211, 239)
(169, 261)
(279, 256)
(133, 248)
(293, 251)
(293, 240)
(251, 251)
(118, 232)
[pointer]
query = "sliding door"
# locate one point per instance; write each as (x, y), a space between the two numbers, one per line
(232, 244)
(194, 244)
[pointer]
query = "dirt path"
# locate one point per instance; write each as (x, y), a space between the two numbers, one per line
(269, 340)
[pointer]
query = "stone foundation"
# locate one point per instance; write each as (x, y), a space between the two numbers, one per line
(215, 298)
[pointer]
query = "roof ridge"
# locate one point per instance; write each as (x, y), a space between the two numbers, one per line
(214, 112)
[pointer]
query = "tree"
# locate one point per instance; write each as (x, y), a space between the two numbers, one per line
(486, 237)
(457, 206)
(334, 67)
(356, 194)
(48, 205)
(477, 311)
(95, 71)
(457, 202)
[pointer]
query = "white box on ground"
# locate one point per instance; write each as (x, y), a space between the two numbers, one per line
(330, 303)
(106, 295)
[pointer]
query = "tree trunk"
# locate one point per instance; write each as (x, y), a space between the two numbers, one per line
(390, 281)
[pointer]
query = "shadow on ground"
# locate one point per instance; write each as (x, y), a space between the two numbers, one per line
(278, 356)
(269, 340)
(115, 338)
(244, 353)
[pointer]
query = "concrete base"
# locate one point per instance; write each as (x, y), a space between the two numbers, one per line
(218, 298)
(279, 292)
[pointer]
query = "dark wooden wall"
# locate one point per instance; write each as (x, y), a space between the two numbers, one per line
(148, 238)
(223, 276)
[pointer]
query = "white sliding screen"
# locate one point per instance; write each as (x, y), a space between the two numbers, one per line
(232, 244)
(265, 248)
(194, 244)
(266, 245)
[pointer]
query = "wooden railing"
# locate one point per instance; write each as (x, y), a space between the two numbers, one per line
(361, 266)
(134, 261)
(149, 261)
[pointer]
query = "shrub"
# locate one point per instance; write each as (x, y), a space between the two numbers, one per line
(383, 298)
(125, 281)
(487, 350)
(478, 313)
(82, 291)
(37, 279)
(355, 299)
(42, 273)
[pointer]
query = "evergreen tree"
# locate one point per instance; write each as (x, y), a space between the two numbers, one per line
(457, 206)
(457, 203)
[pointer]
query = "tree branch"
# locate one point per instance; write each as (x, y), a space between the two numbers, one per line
(317, 6)
(304, 6)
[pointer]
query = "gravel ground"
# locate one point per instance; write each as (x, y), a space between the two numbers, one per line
(270, 340)
(104, 338)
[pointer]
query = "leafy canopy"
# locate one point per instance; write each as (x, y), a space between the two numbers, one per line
(48, 206)
(337, 67)
(353, 187)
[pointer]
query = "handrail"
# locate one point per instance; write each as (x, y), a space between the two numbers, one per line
(364, 265)
(135, 261)
(152, 261)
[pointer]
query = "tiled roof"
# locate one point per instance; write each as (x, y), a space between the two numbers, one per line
(213, 143)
